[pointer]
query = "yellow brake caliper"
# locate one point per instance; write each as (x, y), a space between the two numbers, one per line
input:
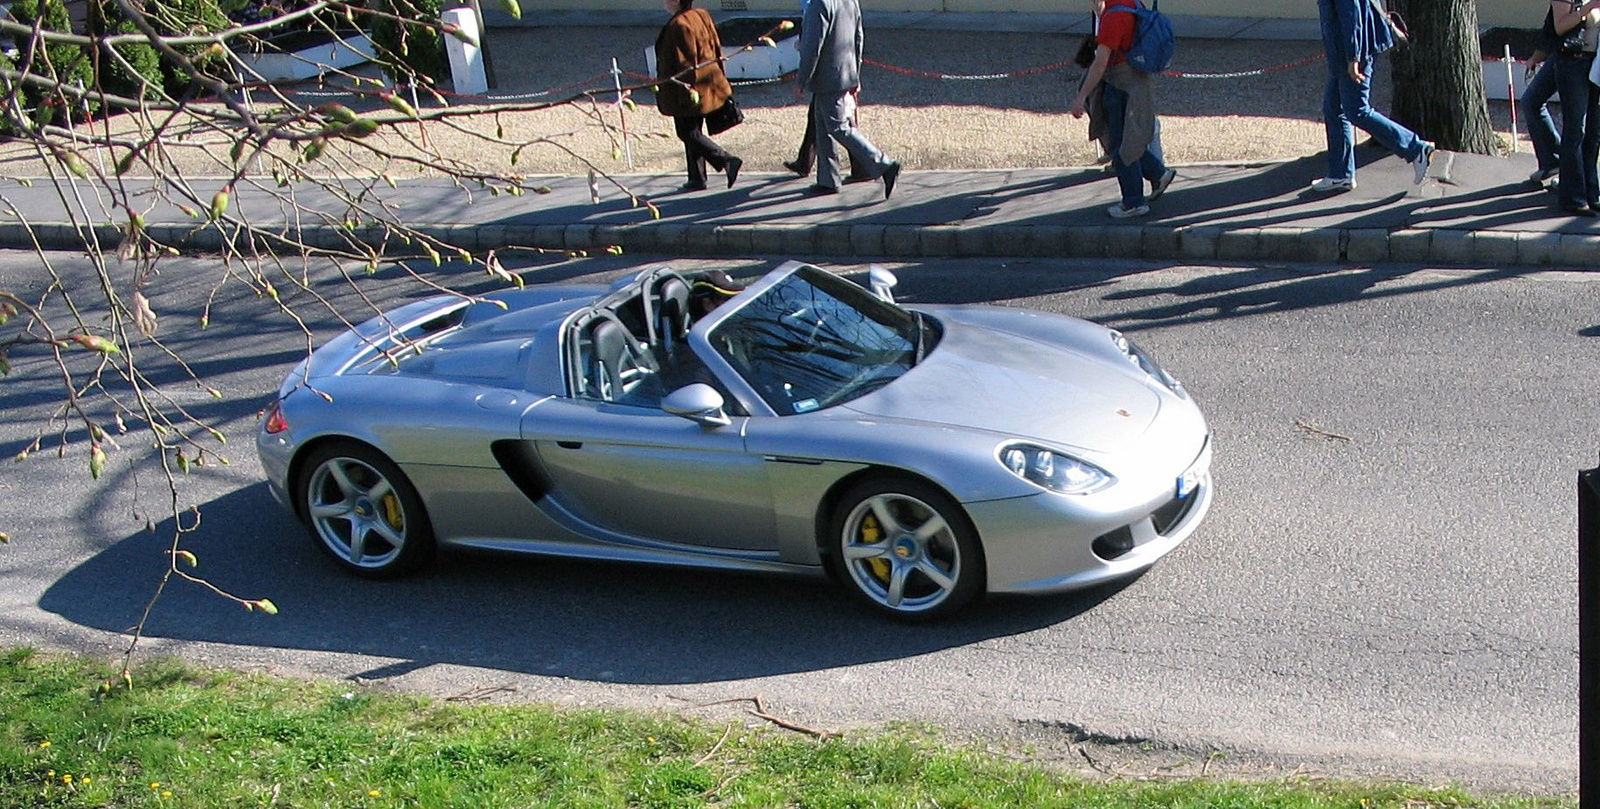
(392, 513)
(871, 534)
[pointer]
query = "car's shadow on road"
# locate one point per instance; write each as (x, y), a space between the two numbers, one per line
(588, 621)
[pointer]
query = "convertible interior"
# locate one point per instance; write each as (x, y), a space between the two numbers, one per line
(634, 350)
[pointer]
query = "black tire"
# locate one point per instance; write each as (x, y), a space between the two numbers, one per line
(877, 548)
(363, 511)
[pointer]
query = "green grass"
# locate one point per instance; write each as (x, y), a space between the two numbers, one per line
(183, 737)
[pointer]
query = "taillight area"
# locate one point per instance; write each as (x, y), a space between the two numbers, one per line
(275, 423)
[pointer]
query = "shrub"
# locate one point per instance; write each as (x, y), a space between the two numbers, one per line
(145, 61)
(418, 47)
(66, 64)
(169, 18)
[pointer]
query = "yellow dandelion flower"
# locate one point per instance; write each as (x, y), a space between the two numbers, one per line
(166, 793)
(43, 745)
(155, 784)
(67, 778)
(372, 793)
(50, 773)
(650, 739)
(86, 779)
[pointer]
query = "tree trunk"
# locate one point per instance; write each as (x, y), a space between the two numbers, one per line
(1438, 78)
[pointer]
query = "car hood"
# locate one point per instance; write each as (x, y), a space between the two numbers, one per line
(982, 379)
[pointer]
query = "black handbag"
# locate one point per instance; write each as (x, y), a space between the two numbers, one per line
(1085, 55)
(724, 117)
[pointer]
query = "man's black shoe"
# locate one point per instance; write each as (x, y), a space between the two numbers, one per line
(734, 164)
(858, 178)
(800, 169)
(890, 174)
(820, 190)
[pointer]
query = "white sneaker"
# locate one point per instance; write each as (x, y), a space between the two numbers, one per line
(1327, 184)
(1119, 212)
(1159, 187)
(1421, 164)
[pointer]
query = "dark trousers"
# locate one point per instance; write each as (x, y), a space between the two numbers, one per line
(1580, 132)
(1535, 108)
(806, 157)
(698, 148)
(1130, 176)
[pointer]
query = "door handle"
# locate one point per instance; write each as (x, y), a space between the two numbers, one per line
(570, 444)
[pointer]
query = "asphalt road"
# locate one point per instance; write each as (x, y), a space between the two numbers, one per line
(1386, 584)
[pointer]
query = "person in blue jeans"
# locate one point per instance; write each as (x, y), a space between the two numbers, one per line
(1126, 119)
(1352, 35)
(1535, 107)
(1578, 189)
(1539, 86)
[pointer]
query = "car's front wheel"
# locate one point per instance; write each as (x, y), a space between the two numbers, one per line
(364, 511)
(906, 548)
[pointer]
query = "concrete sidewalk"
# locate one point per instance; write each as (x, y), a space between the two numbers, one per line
(1472, 210)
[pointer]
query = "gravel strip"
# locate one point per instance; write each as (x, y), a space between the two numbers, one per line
(927, 123)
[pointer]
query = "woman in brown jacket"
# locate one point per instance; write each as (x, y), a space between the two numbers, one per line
(689, 56)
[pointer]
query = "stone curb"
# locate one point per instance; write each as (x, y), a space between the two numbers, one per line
(1200, 243)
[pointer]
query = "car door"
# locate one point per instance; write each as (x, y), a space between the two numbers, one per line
(651, 476)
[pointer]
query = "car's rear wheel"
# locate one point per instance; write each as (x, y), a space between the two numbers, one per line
(364, 511)
(906, 548)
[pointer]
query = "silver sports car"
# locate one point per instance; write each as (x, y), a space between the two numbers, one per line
(922, 455)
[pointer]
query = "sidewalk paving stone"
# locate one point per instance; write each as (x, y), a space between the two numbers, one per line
(1482, 213)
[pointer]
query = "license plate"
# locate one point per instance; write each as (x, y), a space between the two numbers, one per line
(1190, 479)
(1187, 483)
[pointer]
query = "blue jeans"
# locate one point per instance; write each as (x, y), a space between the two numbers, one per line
(1580, 132)
(1130, 176)
(1534, 106)
(1345, 104)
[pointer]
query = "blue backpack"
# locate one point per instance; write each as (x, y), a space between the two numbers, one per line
(1153, 40)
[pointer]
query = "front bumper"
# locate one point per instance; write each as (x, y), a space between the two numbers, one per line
(276, 452)
(1047, 543)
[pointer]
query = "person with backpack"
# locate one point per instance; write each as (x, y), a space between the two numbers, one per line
(1123, 114)
(1354, 32)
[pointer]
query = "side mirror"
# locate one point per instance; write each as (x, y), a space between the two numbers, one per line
(882, 282)
(699, 403)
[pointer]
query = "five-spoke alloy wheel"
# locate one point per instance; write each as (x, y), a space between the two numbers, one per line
(906, 548)
(364, 511)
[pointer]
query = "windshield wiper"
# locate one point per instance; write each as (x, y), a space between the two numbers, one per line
(917, 356)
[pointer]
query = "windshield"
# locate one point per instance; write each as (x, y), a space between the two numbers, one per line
(814, 340)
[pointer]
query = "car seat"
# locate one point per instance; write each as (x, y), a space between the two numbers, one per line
(612, 361)
(667, 311)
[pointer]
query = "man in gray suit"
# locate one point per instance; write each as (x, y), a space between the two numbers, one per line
(830, 67)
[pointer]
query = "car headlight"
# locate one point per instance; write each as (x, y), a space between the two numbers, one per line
(1054, 471)
(1146, 363)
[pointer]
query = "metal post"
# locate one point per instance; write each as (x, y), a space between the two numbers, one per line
(251, 106)
(417, 105)
(622, 112)
(88, 117)
(1511, 96)
(1589, 638)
